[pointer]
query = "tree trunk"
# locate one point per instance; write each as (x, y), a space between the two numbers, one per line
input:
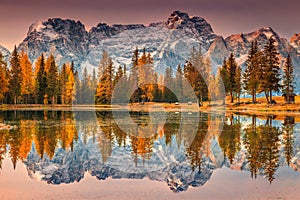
(267, 96)
(271, 100)
(288, 94)
(231, 97)
(201, 99)
(15, 99)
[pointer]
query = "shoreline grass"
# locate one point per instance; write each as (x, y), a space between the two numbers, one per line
(245, 107)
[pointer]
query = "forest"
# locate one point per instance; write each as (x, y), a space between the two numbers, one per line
(44, 82)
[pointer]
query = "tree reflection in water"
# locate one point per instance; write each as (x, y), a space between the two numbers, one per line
(261, 141)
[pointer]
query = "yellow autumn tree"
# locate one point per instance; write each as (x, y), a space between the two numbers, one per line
(146, 78)
(67, 84)
(3, 77)
(27, 83)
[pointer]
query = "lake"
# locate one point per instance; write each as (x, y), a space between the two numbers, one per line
(147, 155)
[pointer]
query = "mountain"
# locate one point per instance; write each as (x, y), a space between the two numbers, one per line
(67, 40)
(295, 41)
(169, 42)
(5, 53)
(240, 44)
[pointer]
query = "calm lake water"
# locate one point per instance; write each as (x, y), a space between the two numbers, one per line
(109, 155)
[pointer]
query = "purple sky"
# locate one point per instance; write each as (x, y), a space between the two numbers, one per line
(225, 16)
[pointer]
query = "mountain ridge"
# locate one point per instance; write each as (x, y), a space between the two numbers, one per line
(169, 42)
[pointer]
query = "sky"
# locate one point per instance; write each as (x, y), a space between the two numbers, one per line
(225, 16)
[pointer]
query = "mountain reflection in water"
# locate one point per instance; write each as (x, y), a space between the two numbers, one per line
(60, 146)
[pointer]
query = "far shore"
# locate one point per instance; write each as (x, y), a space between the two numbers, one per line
(245, 107)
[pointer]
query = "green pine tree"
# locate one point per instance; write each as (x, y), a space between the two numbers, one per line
(233, 83)
(288, 78)
(41, 79)
(271, 70)
(15, 76)
(253, 72)
(52, 80)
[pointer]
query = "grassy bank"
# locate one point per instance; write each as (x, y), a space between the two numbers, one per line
(261, 108)
(245, 107)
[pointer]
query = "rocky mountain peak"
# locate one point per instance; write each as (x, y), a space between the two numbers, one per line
(295, 41)
(58, 36)
(180, 20)
(103, 31)
(5, 53)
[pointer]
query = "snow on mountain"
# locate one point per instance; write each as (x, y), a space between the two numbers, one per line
(240, 45)
(169, 42)
(295, 41)
(67, 40)
(5, 53)
(103, 31)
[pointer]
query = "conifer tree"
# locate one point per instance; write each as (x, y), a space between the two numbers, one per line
(41, 79)
(120, 84)
(253, 72)
(93, 85)
(77, 85)
(145, 76)
(224, 77)
(179, 82)
(168, 95)
(119, 75)
(220, 85)
(232, 74)
(288, 78)
(133, 78)
(238, 80)
(27, 84)
(52, 79)
(15, 76)
(63, 80)
(197, 72)
(84, 92)
(4, 78)
(70, 89)
(271, 70)
(157, 94)
(105, 85)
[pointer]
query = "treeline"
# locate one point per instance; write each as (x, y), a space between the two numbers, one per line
(45, 83)
(194, 81)
(142, 84)
(263, 74)
(41, 84)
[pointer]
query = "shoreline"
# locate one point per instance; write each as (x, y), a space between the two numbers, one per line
(243, 109)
